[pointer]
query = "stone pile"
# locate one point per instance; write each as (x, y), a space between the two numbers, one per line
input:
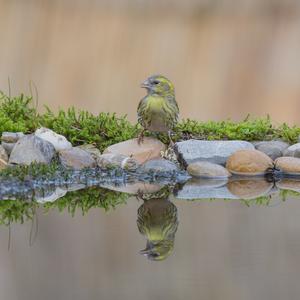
(201, 159)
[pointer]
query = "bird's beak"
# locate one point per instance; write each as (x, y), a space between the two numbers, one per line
(145, 252)
(145, 84)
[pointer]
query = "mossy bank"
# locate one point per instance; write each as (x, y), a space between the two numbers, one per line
(81, 127)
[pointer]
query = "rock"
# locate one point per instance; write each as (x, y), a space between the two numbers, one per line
(58, 141)
(90, 148)
(273, 149)
(11, 137)
(293, 151)
(206, 169)
(134, 187)
(149, 149)
(159, 166)
(50, 195)
(77, 159)
(288, 165)
(8, 147)
(249, 188)
(31, 149)
(212, 151)
(110, 161)
(204, 189)
(3, 154)
(3, 164)
(249, 162)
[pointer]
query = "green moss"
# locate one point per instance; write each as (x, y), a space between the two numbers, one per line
(104, 129)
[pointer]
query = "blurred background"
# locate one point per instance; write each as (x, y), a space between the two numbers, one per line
(226, 58)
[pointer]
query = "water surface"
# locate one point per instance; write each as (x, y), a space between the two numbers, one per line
(223, 249)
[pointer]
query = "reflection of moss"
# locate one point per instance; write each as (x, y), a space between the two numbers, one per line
(16, 211)
(19, 211)
(260, 201)
(86, 199)
(284, 194)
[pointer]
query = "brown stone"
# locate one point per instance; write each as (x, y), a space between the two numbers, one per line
(150, 148)
(249, 188)
(206, 169)
(90, 148)
(288, 165)
(111, 161)
(3, 154)
(248, 162)
(77, 159)
(3, 164)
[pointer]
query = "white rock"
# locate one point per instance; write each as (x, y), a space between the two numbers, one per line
(58, 141)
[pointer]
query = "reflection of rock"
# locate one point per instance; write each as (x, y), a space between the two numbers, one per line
(292, 184)
(77, 159)
(159, 166)
(273, 149)
(249, 162)
(204, 189)
(134, 187)
(73, 187)
(158, 222)
(249, 188)
(206, 169)
(50, 194)
(31, 149)
(58, 141)
(111, 160)
(288, 165)
(211, 151)
(150, 148)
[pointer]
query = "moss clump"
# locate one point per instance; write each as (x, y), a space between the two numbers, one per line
(104, 129)
(34, 171)
(18, 114)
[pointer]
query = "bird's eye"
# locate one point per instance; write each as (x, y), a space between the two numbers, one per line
(155, 82)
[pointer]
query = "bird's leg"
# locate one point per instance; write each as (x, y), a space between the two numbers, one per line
(141, 136)
(170, 139)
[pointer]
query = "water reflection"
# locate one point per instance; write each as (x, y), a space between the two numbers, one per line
(158, 222)
(157, 216)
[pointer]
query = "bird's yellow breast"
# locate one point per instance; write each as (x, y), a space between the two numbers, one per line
(155, 104)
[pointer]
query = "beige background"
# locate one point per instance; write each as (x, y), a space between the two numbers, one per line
(226, 58)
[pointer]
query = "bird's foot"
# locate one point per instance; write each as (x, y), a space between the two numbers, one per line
(141, 137)
(171, 142)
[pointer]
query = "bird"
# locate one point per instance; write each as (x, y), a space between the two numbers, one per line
(158, 222)
(158, 111)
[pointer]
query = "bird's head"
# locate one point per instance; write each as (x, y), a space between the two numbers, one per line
(158, 251)
(158, 84)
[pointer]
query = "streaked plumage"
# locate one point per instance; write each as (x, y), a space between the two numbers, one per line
(158, 222)
(158, 110)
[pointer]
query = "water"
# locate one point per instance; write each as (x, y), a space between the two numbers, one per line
(223, 249)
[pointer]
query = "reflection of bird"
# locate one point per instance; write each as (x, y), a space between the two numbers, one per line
(158, 110)
(158, 222)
